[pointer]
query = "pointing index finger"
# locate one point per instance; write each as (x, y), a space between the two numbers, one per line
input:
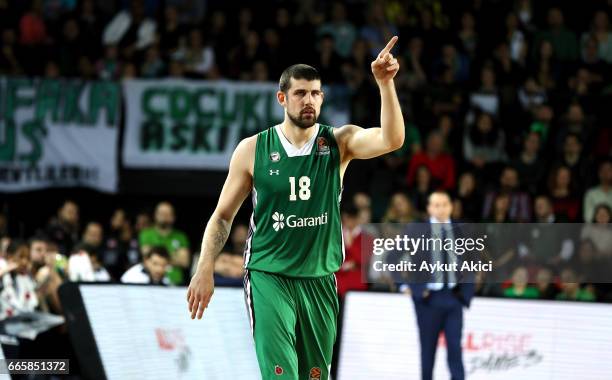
(389, 46)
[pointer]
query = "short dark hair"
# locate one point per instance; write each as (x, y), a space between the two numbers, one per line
(299, 71)
(349, 209)
(158, 250)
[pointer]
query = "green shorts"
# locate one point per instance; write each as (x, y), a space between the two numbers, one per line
(293, 321)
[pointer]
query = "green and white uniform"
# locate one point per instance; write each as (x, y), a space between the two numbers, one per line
(294, 247)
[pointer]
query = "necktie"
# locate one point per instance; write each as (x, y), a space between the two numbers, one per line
(444, 258)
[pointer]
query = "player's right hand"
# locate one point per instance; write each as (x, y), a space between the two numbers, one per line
(199, 293)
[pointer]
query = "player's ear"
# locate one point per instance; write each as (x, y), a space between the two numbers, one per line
(281, 97)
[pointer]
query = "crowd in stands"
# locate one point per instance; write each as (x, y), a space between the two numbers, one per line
(506, 106)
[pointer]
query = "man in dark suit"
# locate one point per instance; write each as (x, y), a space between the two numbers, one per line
(439, 298)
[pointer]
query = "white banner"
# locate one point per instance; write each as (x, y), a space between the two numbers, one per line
(502, 339)
(58, 133)
(146, 332)
(187, 124)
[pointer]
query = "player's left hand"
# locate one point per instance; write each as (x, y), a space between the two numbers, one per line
(385, 66)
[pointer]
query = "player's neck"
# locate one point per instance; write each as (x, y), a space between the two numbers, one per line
(297, 136)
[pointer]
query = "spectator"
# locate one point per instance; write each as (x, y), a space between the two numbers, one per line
(516, 39)
(153, 66)
(64, 228)
(469, 197)
(544, 284)
(419, 193)
(49, 276)
(564, 43)
(90, 27)
(531, 95)
(528, 164)
(121, 249)
(600, 232)
(575, 122)
(499, 212)
(175, 241)
(520, 287)
(229, 264)
(342, 30)
(84, 265)
(329, 62)
(38, 252)
(9, 62)
(484, 143)
(451, 134)
(519, 201)
(543, 211)
(276, 59)
(562, 191)
(415, 64)
(355, 238)
(467, 34)
(17, 286)
(399, 210)
(545, 68)
(486, 97)
(171, 32)
(363, 202)
(601, 194)
(596, 67)
(457, 63)
(220, 36)
(571, 290)
(572, 158)
(153, 269)
(70, 48)
(32, 28)
(109, 67)
(378, 30)
(600, 31)
(92, 237)
(588, 262)
(143, 221)
(33, 36)
(245, 56)
(199, 57)
(440, 164)
(507, 74)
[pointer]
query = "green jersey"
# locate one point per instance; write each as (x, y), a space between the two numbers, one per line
(295, 228)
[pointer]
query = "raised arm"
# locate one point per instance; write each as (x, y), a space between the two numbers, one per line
(357, 142)
(236, 188)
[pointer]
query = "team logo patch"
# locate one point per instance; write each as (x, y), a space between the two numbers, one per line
(322, 146)
(278, 370)
(274, 156)
(315, 373)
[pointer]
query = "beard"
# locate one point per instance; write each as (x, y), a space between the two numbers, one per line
(164, 225)
(302, 121)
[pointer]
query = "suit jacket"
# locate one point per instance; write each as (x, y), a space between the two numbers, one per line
(464, 290)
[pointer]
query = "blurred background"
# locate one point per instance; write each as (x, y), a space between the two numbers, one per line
(119, 118)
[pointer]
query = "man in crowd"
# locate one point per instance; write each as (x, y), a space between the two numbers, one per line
(601, 194)
(163, 233)
(153, 270)
(64, 229)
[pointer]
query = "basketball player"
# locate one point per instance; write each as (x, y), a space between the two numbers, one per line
(294, 173)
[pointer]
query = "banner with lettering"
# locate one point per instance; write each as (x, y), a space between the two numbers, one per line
(187, 124)
(58, 133)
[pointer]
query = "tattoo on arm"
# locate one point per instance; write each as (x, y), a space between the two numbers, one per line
(216, 234)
